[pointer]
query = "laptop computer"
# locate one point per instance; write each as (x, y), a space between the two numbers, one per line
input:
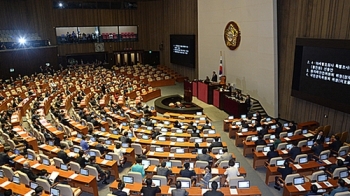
(231, 117)
(33, 185)
(289, 146)
(54, 192)
(128, 179)
(185, 185)
(200, 151)
(298, 180)
(51, 143)
(149, 128)
(198, 140)
(342, 153)
(168, 164)
(92, 139)
(125, 145)
(303, 160)
(15, 179)
(255, 138)
(211, 132)
(180, 139)
(322, 178)
(84, 172)
(30, 157)
(237, 165)
(324, 156)
(239, 123)
(46, 162)
(268, 119)
(64, 167)
(280, 162)
(258, 128)
(343, 174)
(162, 138)
(286, 124)
(304, 131)
(244, 130)
(272, 137)
(163, 130)
(108, 142)
(310, 143)
(209, 185)
(273, 126)
(244, 184)
(16, 151)
(159, 149)
(154, 121)
(179, 151)
(115, 132)
(1, 174)
(179, 131)
(146, 163)
(243, 116)
(108, 157)
(156, 182)
(289, 134)
(103, 129)
(76, 150)
(199, 113)
(92, 153)
(266, 149)
(79, 136)
(145, 137)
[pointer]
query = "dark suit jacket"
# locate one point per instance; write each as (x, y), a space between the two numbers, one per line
(214, 144)
(272, 154)
(81, 161)
(213, 193)
(317, 149)
(63, 155)
(278, 130)
(29, 173)
(335, 145)
(214, 78)
(260, 142)
(119, 193)
(285, 171)
(150, 191)
(187, 173)
(195, 135)
(321, 138)
(263, 131)
(4, 158)
(294, 152)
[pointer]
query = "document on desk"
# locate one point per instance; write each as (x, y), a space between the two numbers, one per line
(233, 191)
(265, 153)
(240, 133)
(285, 152)
(170, 189)
(104, 162)
(171, 154)
(204, 191)
(126, 190)
(287, 139)
(35, 165)
(172, 143)
(71, 154)
(29, 193)
(42, 146)
(346, 180)
(172, 133)
(154, 141)
(151, 153)
(5, 184)
(218, 156)
(318, 185)
(54, 175)
(327, 184)
(297, 166)
(299, 187)
(341, 158)
(214, 171)
(205, 135)
(327, 162)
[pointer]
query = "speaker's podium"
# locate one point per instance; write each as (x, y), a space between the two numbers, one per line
(187, 91)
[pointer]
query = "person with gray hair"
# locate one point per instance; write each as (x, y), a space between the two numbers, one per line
(27, 170)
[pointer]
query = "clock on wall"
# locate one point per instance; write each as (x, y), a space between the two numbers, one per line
(99, 47)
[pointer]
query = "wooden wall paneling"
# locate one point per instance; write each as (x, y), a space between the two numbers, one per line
(316, 19)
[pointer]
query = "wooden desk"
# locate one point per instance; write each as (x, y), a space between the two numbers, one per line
(31, 140)
(165, 82)
(291, 190)
(51, 128)
(19, 189)
(16, 118)
(309, 125)
(183, 157)
(233, 107)
(187, 116)
(86, 183)
(149, 95)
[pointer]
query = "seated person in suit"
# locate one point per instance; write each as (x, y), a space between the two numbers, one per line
(260, 141)
(204, 156)
(63, 155)
(43, 174)
(120, 191)
(336, 143)
(125, 138)
(264, 130)
(204, 181)
(279, 129)
(81, 159)
(162, 170)
(5, 159)
(339, 164)
(313, 191)
(216, 143)
(284, 171)
(104, 174)
(224, 157)
(213, 191)
(294, 151)
(38, 191)
(206, 126)
(195, 133)
(231, 171)
(292, 127)
(178, 191)
(101, 147)
(149, 190)
(196, 147)
(341, 188)
(319, 136)
(177, 124)
(186, 172)
(207, 80)
(27, 170)
(191, 126)
(317, 148)
(272, 153)
(138, 167)
(276, 141)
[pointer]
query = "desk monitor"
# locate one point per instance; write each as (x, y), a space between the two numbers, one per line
(273, 126)
(154, 121)
(128, 179)
(244, 130)
(179, 131)
(237, 165)
(298, 180)
(244, 184)
(254, 115)
(202, 119)
(310, 143)
(108, 142)
(258, 128)
(125, 145)
(343, 174)
(253, 122)
(149, 128)
(166, 122)
(103, 129)
(76, 150)
(285, 124)
(238, 123)
(198, 140)
(92, 139)
(243, 116)
(304, 131)
(324, 156)
(30, 157)
(211, 132)
(79, 136)
(162, 138)
(136, 126)
(209, 185)
(266, 149)
(199, 151)
(16, 151)
(51, 143)
(180, 139)
(123, 123)
(220, 151)
(145, 137)
(152, 107)
(64, 167)
(179, 150)
(15, 179)
(191, 165)
(322, 178)
(159, 149)
(185, 184)
(342, 153)
(108, 157)
(199, 113)
(115, 132)
(146, 163)
(268, 119)
(272, 137)
(156, 182)
(92, 154)
(255, 138)
(289, 134)
(168, 164)
(54, 192)
(327, 139)
(231, 117)
(46, 162)
(303, 160)
(1, 174)
(33, 185)
(84, 172)
(289, 146)
(280, 162)
(163, 130)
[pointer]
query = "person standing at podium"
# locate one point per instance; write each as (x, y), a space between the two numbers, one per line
(214, 78)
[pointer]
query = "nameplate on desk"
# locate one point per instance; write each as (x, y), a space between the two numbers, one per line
(215, 171)
(35, 165)
(21, 159)
(327, 162)
(29, 193)
(171, 154)
(297, 166)
(318, 185)
(218, 156)
(239, 133)
(172, 143)
(73, 176)
(104, 162)
(5, 184)
(284, 152)
(154, 141)
(299, 187)
(287, 139)
(327, 184)
(151, 153)
(233, 192)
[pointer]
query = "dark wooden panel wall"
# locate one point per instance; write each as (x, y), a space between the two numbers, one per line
(313, 19)
(156, 19)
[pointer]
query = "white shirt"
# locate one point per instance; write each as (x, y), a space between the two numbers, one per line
(231, 172)
(119, 152)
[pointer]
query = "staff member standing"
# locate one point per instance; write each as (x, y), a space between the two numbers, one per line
(214, 78)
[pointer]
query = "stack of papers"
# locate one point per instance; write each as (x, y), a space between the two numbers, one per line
(327, 162)
(5, 184)
(346, 180)
(204, 191)
(54, 175)
(73, 176)
(214, 171)
(104, 162)
(299, 187)
(126, 190)
(297, 166)
(318, 186)
(327, 184)
(233, 191)
(285, 152)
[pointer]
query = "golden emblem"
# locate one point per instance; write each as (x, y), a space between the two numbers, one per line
(232, 35)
